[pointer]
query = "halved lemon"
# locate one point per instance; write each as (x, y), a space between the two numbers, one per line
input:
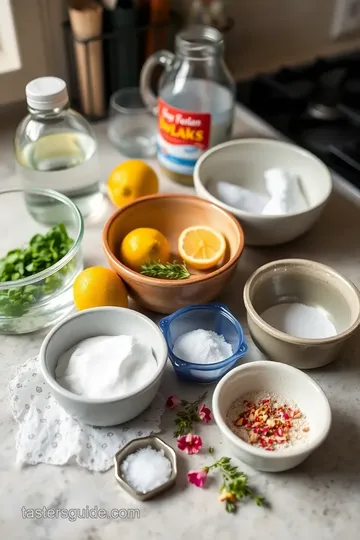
(201, 247)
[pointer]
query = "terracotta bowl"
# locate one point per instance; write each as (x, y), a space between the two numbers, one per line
(171, 214)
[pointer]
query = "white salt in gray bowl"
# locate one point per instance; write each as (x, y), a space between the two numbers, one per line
(243, 162)
(104, 321)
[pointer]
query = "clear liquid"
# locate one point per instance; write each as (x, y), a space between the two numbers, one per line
(66, 162)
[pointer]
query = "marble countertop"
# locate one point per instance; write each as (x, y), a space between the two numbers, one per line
(319, 500)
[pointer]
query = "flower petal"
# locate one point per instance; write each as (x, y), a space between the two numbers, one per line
(189, 443)
(204, 413)
(198, 478)
(172, 402)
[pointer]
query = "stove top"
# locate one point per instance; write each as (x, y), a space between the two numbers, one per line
(317, 106)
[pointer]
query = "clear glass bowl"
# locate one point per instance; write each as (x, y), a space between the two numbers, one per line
(42, 299)
(214, 316)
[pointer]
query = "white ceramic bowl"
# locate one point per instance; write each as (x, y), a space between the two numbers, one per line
(283, 380)
(243, 162)
(110, 321)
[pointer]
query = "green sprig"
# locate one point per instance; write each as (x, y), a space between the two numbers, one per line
(168, 270)
(235, 484)
(187, 416)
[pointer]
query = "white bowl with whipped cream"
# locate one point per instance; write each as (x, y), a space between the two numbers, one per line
(104, 365)
(277, 190)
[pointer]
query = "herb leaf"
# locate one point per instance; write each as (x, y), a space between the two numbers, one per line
(168, 270)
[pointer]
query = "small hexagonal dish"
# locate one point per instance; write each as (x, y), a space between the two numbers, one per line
(157, 444)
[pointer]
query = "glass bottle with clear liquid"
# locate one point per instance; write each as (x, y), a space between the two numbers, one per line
(56, 148)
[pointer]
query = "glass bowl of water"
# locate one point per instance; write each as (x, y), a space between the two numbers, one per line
(39, 226)
(215, 317)
(132, 127)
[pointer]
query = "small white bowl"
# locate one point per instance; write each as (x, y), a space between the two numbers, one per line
(244, 162)
(282, 380)
(109, 321)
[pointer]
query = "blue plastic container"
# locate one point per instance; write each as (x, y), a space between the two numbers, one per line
(214, 316)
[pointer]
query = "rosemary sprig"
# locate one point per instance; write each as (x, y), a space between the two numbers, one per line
(168, 270)
(235, 484)
(187, 416)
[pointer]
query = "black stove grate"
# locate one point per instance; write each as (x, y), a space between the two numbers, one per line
(317, 106)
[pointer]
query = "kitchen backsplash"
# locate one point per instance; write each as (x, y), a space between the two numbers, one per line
(271, 33)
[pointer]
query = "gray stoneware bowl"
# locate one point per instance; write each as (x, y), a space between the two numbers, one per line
(243, 162)
(307, 282)
(110, 321)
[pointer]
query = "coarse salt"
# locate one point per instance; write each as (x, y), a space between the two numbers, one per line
(202, 347)
(146, 469)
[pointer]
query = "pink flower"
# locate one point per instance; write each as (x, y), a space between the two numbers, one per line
(204, 413)
(189, 443)
(172, 402)
(198, 478)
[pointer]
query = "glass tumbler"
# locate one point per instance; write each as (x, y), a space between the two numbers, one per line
(132, 127)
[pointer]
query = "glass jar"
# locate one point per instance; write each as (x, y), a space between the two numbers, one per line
(56, 148)
(195, 105)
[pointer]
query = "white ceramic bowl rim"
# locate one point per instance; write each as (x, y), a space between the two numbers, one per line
(51, 381)
(287, 337)
(294, 451)
(265, 142)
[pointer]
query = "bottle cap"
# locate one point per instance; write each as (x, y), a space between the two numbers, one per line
(46, 93)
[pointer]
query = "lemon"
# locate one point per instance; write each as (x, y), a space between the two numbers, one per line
(97, 286)
(201, 247)
(143, 245)
(130, 181)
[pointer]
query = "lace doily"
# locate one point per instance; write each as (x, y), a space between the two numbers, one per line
(48, 434)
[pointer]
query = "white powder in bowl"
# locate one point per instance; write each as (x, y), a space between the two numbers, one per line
(202, 347)
(299, 320)
(106, 366)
